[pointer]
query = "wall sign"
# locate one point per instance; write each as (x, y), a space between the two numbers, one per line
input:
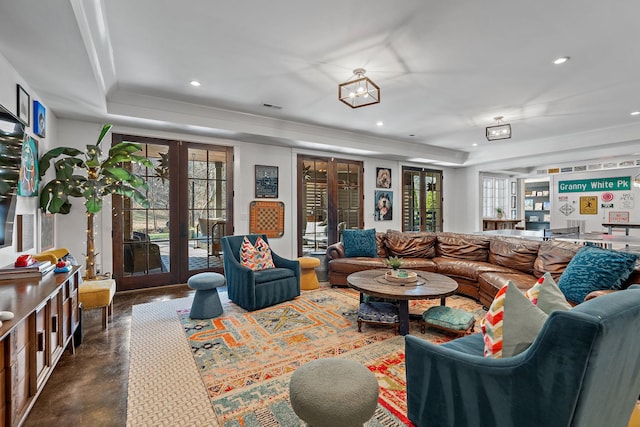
(588, 205)
(619, 217)
(621, 183)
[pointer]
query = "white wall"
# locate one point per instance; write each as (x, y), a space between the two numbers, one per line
(9, 79)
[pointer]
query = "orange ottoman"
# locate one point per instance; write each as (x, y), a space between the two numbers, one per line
(308, 278)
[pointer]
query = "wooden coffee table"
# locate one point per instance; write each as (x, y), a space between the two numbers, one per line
(428, 286)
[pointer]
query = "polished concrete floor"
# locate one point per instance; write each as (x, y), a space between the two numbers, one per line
(90, 387)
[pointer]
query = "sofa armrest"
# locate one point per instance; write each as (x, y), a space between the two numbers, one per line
(335, 251)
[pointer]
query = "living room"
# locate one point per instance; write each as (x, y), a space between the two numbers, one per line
(61, 56)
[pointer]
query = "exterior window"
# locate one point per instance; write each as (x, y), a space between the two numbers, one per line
(421, 199)
(494, 195)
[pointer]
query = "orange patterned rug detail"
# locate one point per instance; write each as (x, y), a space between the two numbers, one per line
(246, 358)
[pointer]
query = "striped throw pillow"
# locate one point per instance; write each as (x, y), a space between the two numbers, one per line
(511, 324)
(256, 257)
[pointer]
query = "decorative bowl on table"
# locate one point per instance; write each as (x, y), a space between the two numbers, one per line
(401, 276)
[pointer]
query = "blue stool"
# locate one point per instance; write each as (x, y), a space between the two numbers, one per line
(206, 302)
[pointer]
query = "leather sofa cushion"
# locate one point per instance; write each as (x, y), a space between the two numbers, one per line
(352, 265)
(411, 244)
(519, 254)
(381, 246)
(463, 246)
(466, 269)
(553, 257)
(493, 281)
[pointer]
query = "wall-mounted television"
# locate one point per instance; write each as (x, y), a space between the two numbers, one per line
(11, 136)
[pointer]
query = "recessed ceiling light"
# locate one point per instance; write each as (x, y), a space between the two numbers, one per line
(194, 83)
(379, 123)
(636, 113)
(561, 60)
(475, 144)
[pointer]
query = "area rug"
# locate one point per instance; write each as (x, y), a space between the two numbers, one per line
(246, 359)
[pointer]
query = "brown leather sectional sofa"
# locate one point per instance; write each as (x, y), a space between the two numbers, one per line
(481, 264)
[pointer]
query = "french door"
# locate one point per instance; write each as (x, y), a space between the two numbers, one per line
(329, 200)
(189, 190)
(421, 199)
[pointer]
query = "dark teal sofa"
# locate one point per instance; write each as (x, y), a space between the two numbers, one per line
(583, 370)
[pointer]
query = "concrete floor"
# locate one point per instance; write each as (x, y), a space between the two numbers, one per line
(90, 387)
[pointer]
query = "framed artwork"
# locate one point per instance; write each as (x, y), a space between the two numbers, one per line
(513, 187)
(29, 177)
(24, 106)
(513, 202)
(39, 119)
(46, 231)
(266, 182)
(24, 227)
(383, 178)
(383, 209)
(266, 218)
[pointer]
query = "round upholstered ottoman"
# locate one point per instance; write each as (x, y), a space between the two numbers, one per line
(333, 392)
(308, 278)
(206, 302)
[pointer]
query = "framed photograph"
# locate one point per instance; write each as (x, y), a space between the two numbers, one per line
(513, 187)
(383, 209)
(47, 240)
(29, 176)
(513, 202)
(24, 227)
(528, 204)
(383, 178)
(266, 182)
(24, 106)
(39, 119)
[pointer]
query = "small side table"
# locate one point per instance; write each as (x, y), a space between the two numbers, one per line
(308, 278)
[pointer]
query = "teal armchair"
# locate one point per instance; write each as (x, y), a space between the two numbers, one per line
(583, 370)
(253, 290)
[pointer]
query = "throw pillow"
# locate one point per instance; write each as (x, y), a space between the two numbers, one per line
(256, 257)
(511, 324)
(594, 268)
(359, 243)
(547, 295)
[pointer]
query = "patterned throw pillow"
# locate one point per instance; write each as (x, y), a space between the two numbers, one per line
(594, 269)
(511, 324)
(256, 257)
(547, 295)
(360, 243)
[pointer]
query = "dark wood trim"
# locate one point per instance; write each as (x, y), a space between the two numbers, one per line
(178, 228)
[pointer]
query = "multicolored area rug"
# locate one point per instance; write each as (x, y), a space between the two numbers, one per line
(246, 358)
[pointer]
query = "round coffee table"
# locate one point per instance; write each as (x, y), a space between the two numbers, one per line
(428, 286)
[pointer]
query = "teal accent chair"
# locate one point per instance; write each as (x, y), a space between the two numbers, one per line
(253, 290)
(581, 371)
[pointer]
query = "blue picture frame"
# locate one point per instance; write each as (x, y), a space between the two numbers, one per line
(39, 119)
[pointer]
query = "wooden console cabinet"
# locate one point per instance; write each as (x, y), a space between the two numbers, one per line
(46, 315)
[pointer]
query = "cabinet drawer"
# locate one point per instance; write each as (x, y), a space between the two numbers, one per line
(40, 344)
(18, 340)
(3, 396)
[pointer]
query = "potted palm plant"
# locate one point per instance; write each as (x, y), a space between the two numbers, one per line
(101, 176)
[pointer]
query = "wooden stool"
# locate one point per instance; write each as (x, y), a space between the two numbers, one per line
(308, 278)
(98, 294)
